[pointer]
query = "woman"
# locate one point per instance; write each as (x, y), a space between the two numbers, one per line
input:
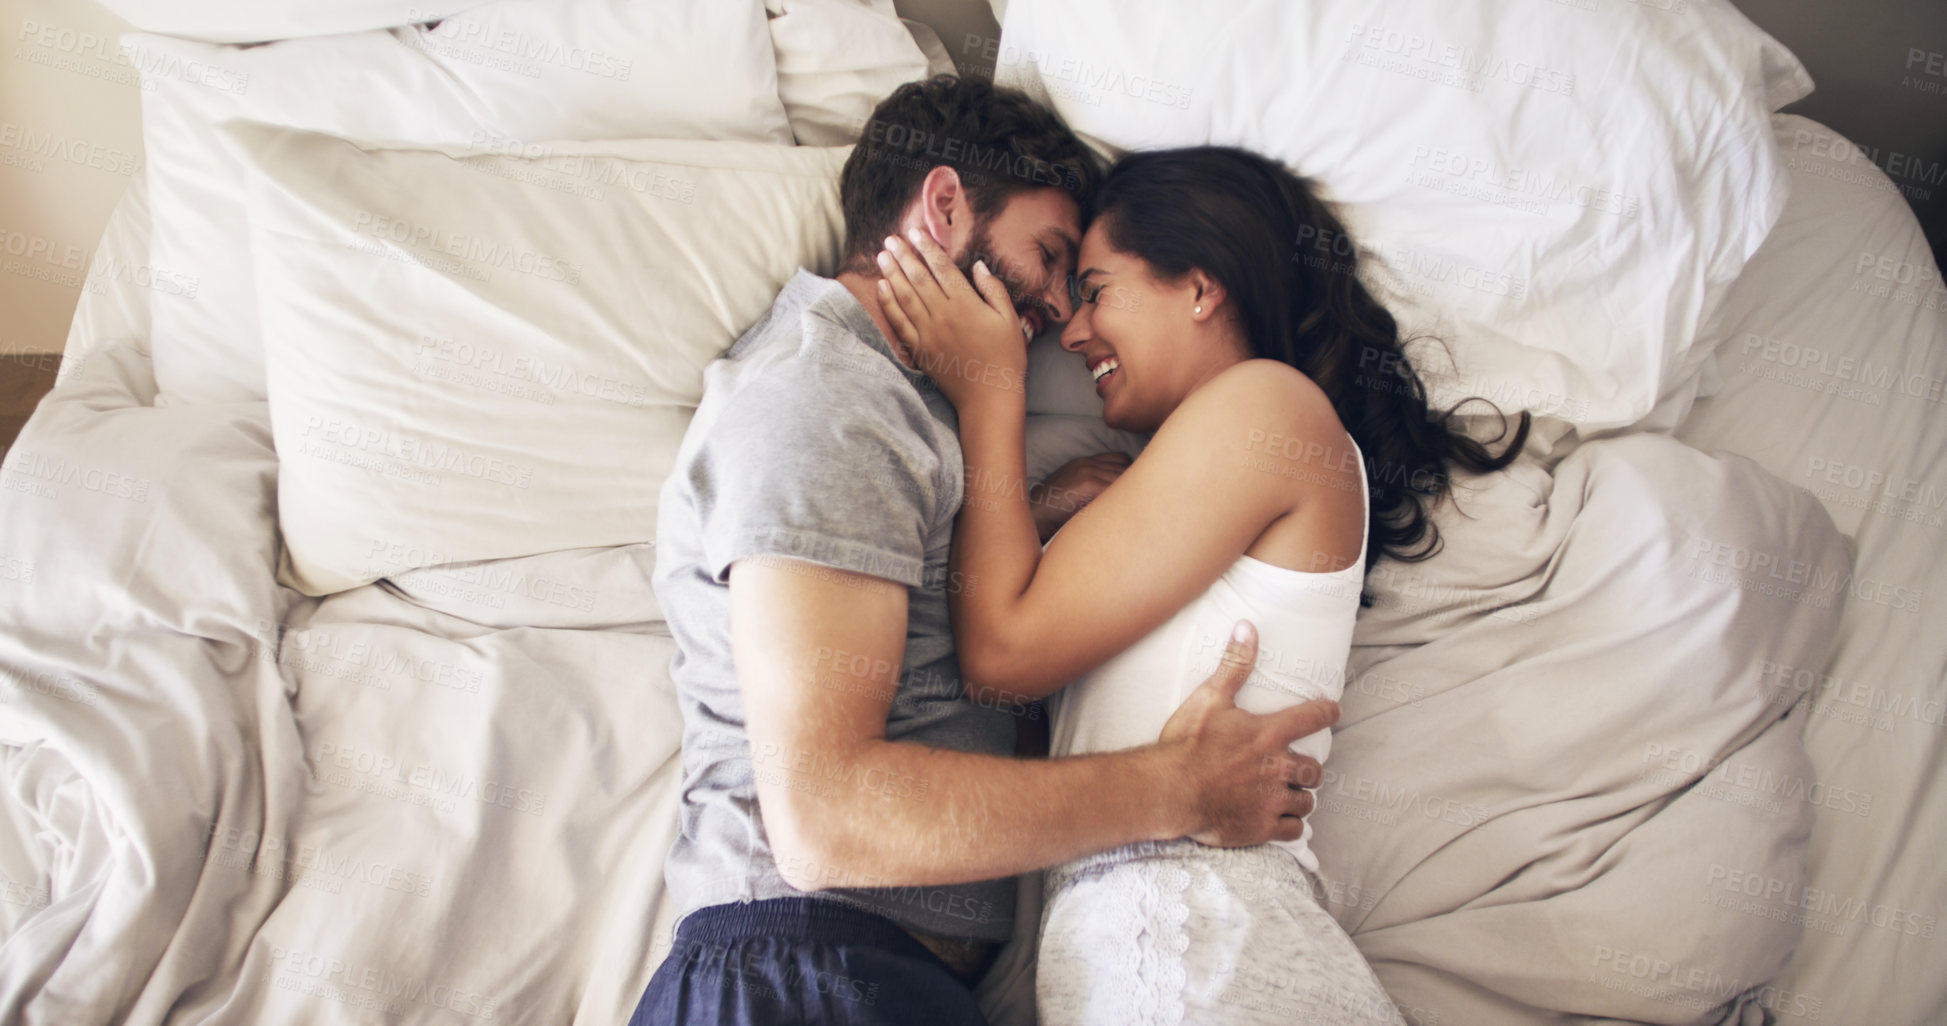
(1273, 383)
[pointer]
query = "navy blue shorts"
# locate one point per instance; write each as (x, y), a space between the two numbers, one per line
(801, 960)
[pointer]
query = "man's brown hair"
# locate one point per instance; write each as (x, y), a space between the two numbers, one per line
(997, 139)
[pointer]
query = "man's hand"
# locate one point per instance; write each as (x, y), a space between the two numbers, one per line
(1244, 781)
(817, 652)
(1073, 485)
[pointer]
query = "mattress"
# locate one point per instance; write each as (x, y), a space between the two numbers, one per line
(1832, 350)
(1831, 357)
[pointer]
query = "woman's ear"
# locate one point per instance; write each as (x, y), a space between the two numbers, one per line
(1207, 295)
(944, 212)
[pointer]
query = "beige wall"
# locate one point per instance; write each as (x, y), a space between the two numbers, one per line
(1881, 70)
(70, 142)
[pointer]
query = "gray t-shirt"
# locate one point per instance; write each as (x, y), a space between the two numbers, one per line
(814, 443)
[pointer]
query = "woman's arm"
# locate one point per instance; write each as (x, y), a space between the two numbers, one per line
(1029, 621)
(1216, 474)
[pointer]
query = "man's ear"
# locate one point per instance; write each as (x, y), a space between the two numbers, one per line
(944, 211)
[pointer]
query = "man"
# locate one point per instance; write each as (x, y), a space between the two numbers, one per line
(850, 820)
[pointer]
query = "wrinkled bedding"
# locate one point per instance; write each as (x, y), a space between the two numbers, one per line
(1571, 762)
(443, 806)
(1558, 754)
(445, 797)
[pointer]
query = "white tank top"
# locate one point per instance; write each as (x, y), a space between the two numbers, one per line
(1304, 629)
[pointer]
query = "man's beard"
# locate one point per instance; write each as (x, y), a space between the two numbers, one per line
(1026, 301)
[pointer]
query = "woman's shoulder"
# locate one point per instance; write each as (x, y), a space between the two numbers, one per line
(1281, 426)
(1263, 396)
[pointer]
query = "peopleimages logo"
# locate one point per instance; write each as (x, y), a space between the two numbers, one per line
(1748, 567)
(461, 245)
(410, 452)
(562, 378)
(913, 142)
(1085, 78)
(515, 46)
(1874, 703)
(1543, 186)
(1414, 55)
(67, 149)
(373, 987)
(1654, 976)
(1822, 901)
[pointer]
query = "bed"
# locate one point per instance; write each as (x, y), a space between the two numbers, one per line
(1657, 738)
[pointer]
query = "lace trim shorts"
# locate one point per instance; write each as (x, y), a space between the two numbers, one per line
(1177, 932)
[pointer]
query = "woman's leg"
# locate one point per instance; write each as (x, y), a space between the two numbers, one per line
(1194, 935)
(1110, 945)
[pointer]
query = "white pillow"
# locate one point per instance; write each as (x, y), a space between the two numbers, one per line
(593, 69)
(836, 60)
(1560, 192)
(225, 21)
(467, 360)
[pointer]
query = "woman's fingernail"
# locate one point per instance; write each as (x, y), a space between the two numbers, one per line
(884, 258)
(892, 242)
(913, 234)
(1242, 632)
(981, 266)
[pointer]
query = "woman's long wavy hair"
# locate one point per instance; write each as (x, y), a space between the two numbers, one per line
(1289, 269)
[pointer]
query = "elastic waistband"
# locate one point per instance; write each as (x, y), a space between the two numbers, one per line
(799, 919)
(1259, 858)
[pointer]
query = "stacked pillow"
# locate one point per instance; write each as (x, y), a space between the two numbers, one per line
(481, 356)
(505, 77)
(498, 78)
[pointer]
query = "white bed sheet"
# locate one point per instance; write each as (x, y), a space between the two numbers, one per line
(1881, 869)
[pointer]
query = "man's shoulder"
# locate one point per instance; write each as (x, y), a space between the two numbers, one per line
(810, 350)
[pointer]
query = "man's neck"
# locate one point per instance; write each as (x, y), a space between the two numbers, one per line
(866, 290)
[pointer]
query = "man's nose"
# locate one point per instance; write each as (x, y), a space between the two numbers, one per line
(1057, 298)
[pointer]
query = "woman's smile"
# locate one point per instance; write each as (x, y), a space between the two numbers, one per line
(1103, 370)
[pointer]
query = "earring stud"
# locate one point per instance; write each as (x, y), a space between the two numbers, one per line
(1199, 307)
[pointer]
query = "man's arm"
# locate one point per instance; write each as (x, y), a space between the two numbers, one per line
(817, 653)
